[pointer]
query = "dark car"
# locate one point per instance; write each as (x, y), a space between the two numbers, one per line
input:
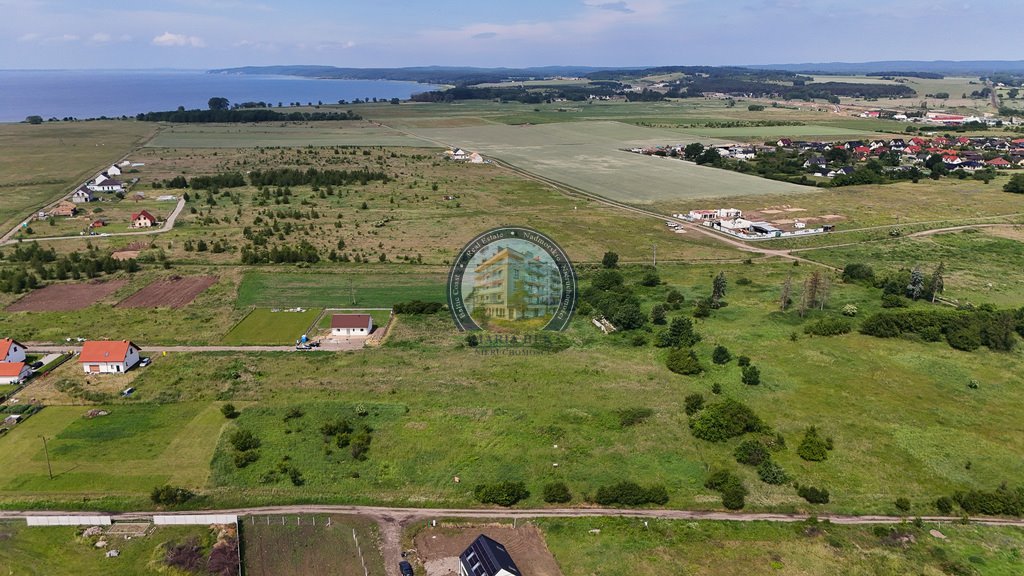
(36, 365)
(405, 568)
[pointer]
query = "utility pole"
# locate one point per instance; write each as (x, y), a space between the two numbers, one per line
(655, 246)
(46, 450)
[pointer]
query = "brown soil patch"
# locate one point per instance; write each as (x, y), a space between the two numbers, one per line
(437, 547)
(173, 292)
(66, 297)
(1008, 232)
(832, 217)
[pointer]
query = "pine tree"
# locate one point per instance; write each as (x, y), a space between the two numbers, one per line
(916, 286)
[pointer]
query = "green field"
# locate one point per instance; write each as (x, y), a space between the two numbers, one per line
(62, 551)
(371, 289)
(291, 548)
(626, 546)
(589, 156)
(271, 326)
(62, 155)
(285, 134)
(122, 455)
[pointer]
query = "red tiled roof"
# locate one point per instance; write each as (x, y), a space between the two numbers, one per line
(350, 321)
(5, 347)
(146, 214)
(105, 351)
(998, 162)
(11, 369)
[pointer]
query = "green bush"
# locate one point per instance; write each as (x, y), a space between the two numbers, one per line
(721, 355)
(628, 493)
(751, 452)
(903, 504)
(557, 493)
(683, 361)
(857, 272)
(829, 326)
(894, 301)
(771, 473)
(244, 440)
(743, 361)
(169, 496)
(1002, 501)
(813, 447)
(229, 411)
(693, 403)
(501, 493)
(813, 495)
(243, 459)
(723, 420)
(751, 376)
(944, 504)
(650, 278)
(729, 486)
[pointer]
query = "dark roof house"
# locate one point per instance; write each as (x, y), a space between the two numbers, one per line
(487, 557)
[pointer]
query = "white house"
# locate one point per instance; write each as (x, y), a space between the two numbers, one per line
(14, 372)
(114, 170)
(487, 557)
(108, 356)
(125, 163)
(351, 325)
(82, 195)
(106, 185)
(11, 351)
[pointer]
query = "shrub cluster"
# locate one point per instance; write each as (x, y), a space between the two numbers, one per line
(720, 421)
(964, 329)
(628, 493)
(170, 496)
(751, 452)
(501, 493)
(1002, 501)
(683, 361)
(693, 403)
(633, 416)
(812, 494)
(829, 326)
(731, 488)
(246, 446)
(813, 447)
(557, 493)
(417, 307)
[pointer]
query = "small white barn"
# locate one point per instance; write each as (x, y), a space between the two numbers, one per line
(11, 351)
(82, 195)
(108, 356)
(114, 170)
(14, 372)
(351, 325)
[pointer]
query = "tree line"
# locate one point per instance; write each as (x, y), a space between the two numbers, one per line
(232, 116)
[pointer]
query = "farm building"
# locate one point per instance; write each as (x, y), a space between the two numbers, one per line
(11, 351)
(107, 185)
(143, 220)
(108, 356)
(486, 557)
(82, 195)
(351, 325)
(14, 372)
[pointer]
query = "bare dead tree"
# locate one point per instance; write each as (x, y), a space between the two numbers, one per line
(787, 290)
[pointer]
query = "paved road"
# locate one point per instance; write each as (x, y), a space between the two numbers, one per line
(166, 227)
(393, 520)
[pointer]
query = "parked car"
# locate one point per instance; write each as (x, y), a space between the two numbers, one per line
(145, 362)
(36, 365)
(405, 568)
(128, 391)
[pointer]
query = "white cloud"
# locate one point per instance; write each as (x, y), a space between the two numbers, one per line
(100, 37)
(169, 39)
(28, 37)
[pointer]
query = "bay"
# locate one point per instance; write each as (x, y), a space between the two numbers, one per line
(115, 93)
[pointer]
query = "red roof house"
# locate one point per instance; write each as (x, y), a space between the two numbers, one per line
(11, 351)
(143, 220)
(13, 372)
(351, 325)
(999, 163)
(108, 356)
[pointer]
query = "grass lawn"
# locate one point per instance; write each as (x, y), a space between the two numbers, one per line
(271, 326)
(282, 134)
(126, 453)
(371, 290)
(626, 546)
(273, 548)
(61, 551)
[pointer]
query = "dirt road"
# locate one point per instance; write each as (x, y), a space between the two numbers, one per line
(392, 520)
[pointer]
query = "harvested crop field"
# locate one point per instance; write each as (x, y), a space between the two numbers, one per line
(172, 292)
(66, 297)
(438, 548)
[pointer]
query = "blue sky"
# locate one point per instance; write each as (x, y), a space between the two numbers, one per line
(369, 33)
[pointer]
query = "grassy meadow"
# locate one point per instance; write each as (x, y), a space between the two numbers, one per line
(626, 546)
(264, 326)
(43, 162)
(63, 551)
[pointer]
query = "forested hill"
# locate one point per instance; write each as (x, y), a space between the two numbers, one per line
(943, 67)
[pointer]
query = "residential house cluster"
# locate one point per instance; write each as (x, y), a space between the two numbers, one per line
(936, 118)
(13, 369)
(460, 155)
